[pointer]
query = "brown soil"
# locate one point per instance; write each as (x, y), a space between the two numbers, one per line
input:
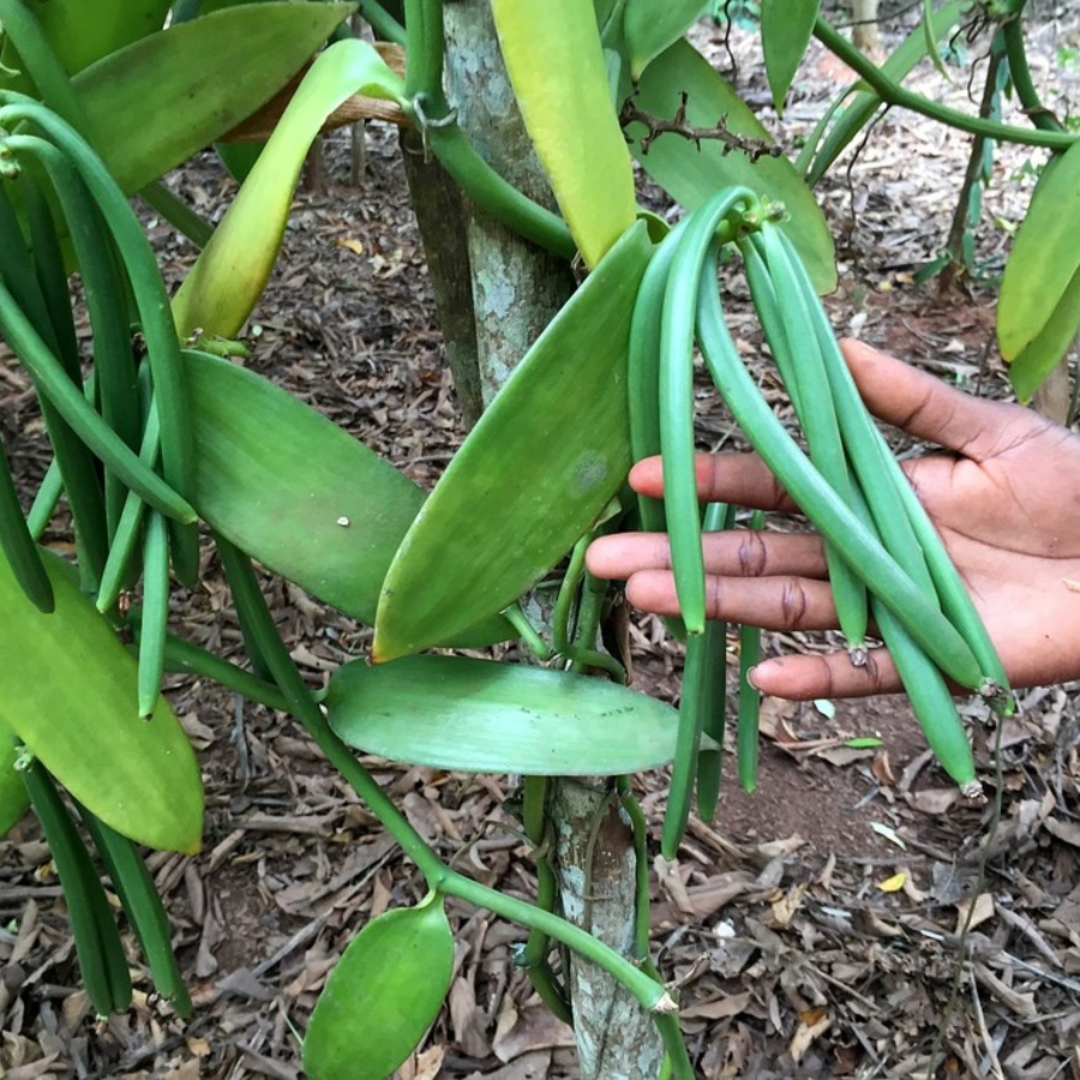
(812, 926)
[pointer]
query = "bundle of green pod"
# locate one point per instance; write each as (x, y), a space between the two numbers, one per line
(884, 557)
(58, 204)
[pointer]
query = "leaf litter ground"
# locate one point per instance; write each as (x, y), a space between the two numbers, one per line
(812, 928)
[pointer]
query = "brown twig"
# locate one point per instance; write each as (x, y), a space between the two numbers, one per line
(678, 125)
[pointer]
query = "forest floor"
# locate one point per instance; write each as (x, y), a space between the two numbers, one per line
(813, 926)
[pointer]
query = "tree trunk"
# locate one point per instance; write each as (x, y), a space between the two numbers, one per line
(867, 36)
(517, 287)
(440, 214)
(1053, 399)
(517, 290)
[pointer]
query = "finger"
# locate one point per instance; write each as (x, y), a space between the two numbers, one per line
(828, 675)
(739, 478)
(738, 553)
(776, 603)
(927, 408)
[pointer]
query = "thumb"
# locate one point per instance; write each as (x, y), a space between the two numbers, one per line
(924, 406)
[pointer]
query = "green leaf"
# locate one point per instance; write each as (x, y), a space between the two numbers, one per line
(239, 158)
(69, 692)
(931, 40)
(1044, 258)
(865, 102)
(452, 712)
(296, 492)
(14, 798)
(155, 103)
(533, 474)
(1042, 354)
(382, 996)
(227, 280)
(786, 26)
(650, 26)
(556, 66)
(81, 33)
(692, 173)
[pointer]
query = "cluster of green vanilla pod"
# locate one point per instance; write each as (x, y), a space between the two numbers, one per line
(885, 559)
(127, 417)
(100, 952)
(123, 416)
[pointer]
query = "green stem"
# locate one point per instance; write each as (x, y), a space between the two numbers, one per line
(641, 867)
(550, 991)
(1040, 115)
(382, 22)
(568, 591)
(186, 657)
(42, 64)
(48, 495)
(893, 94)
(177, 213)
(430, 112)
(438, 876)
(528, 633)
(424, 57)
(495, 195)
(582, 653)
(678, 1060)
(49, 373)
(140, 263)
(534, 956)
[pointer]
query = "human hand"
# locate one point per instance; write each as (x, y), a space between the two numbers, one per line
(1006, 503)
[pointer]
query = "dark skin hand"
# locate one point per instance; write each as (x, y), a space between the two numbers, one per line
(1006, 503)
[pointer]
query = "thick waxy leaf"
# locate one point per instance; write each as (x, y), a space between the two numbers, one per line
(69, 692)
(1044, 259)
(451, 712)
(1040, 356)
(691, 174)
(865, 103)
(296, 492)
(14, 799)
(81, 32)
(231, 273)
(533, 474)
(556, 66)
(786, 26)
(382, 996)
(222, 67)
(650, 26)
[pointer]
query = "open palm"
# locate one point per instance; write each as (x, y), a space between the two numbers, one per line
(1006, 501)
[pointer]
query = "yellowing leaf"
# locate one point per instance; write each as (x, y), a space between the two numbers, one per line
(1044, 259)
(227, 280)
(894, 883)
(556, 66)
(1041, 355)
(69, 692)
